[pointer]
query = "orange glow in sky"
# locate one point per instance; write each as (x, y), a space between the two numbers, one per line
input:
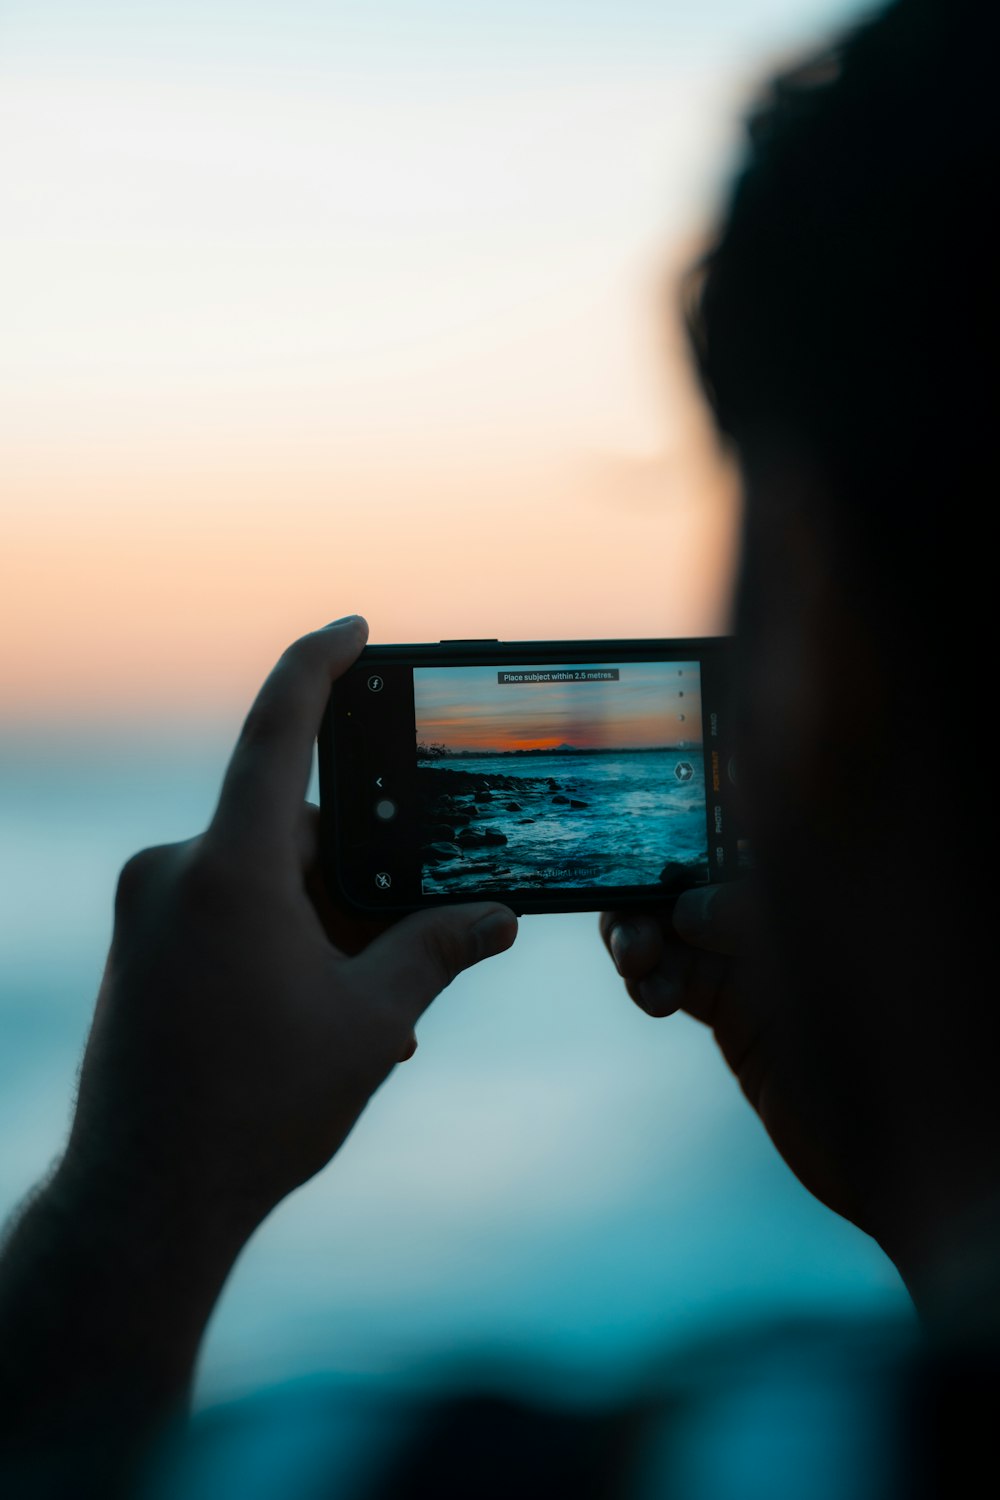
(282, 345)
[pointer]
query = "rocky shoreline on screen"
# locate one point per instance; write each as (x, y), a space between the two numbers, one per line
(470, 823)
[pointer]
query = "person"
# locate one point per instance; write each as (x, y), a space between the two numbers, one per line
(845, 327)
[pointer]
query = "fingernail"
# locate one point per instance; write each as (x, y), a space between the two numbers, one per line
(495, 932)
(344, 620)
(620, 940)
(693, 914)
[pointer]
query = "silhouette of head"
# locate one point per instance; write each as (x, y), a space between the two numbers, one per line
(845, 327)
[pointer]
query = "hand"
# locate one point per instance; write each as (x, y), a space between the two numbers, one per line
(704, 956)
(853, 1094)
(680, 957)
(233, 1048)
(234, 1045)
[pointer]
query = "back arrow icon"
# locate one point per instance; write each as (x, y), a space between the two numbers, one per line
(378, 781)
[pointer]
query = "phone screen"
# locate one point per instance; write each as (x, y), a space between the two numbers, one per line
(553, 784)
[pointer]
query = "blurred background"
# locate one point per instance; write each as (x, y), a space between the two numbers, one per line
(310, 308)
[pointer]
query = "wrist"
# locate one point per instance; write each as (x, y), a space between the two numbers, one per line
(106, 1285)
(153, 1210)
(121, 1270)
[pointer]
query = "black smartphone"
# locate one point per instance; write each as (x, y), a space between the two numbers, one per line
(550, 775)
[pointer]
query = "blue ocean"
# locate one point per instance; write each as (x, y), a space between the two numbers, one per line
(567, 820)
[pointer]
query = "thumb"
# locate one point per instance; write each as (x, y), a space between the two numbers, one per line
(716, 917)
(418, 957)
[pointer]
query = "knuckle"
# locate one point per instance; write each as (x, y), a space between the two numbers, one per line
(309, 651)
(143, 882)
(136, 875)
(204, 875)
(188, 870)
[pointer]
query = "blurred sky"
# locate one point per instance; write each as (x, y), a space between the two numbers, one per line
(315, 307)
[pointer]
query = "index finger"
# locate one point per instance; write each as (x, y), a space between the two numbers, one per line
(719, 918)
(634, 939)
(268, 773)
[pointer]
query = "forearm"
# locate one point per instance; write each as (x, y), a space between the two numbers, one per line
(106, 1284)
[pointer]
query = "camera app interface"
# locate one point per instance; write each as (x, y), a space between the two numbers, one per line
(555, 776)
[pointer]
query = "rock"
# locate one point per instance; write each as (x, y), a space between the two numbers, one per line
(484, 796)
(512, 806)
(574, 802)
(436, 854)
(437, 782)
(521, 821)
(470, 838)
(562, 799)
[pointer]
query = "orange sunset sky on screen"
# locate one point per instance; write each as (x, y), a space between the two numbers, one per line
(634, 733)
(640, 705)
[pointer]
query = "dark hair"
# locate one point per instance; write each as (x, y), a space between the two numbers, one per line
(848, 305)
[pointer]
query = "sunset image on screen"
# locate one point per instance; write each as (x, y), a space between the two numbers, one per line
(561, 776)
